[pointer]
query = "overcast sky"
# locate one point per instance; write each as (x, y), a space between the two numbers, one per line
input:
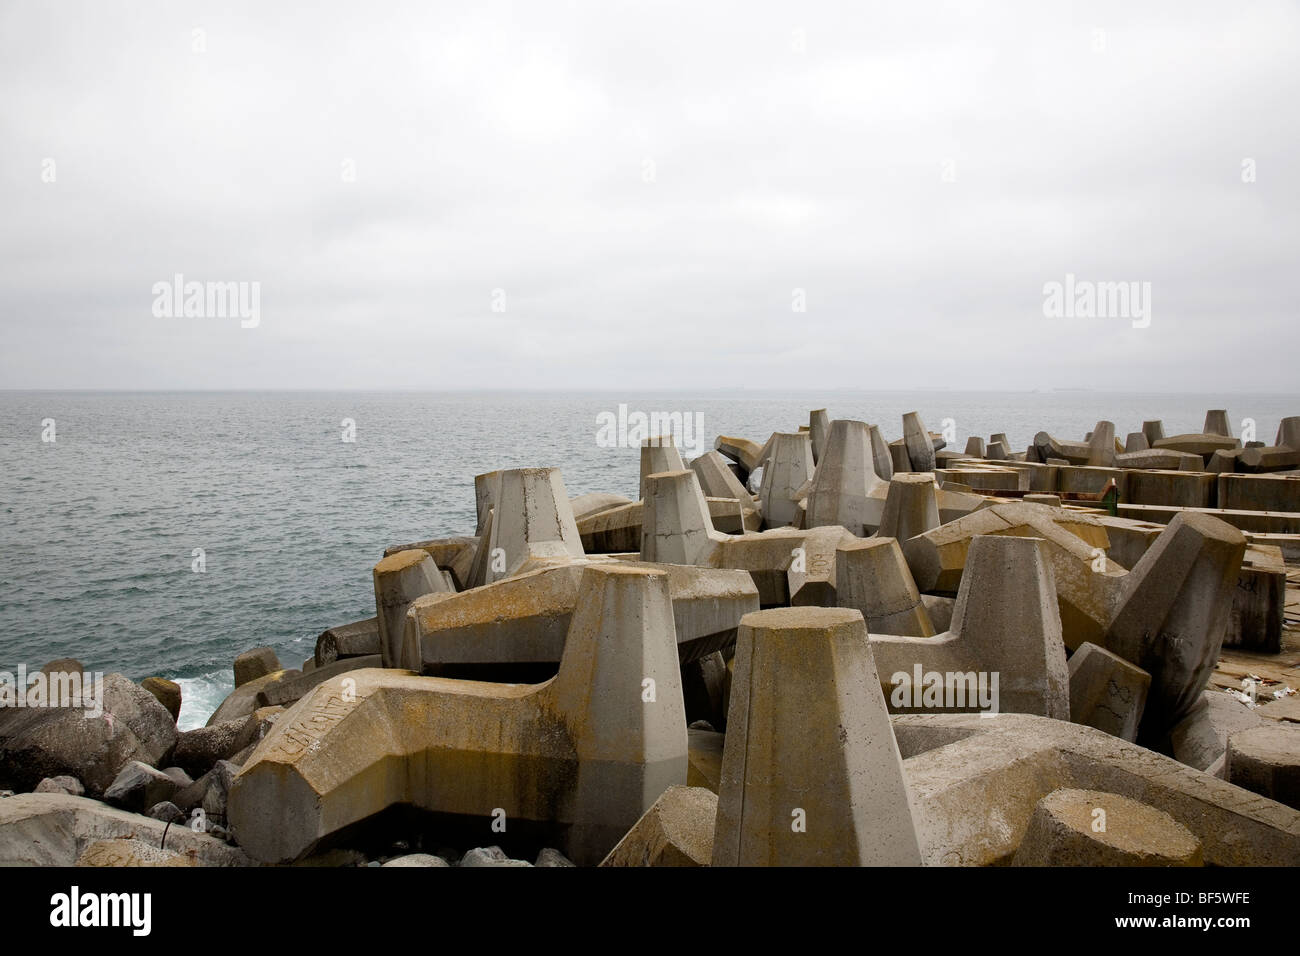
(648, 185)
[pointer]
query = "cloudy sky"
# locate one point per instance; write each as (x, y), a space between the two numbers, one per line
(600, 194)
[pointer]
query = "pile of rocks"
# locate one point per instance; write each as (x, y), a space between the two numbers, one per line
(830, 649)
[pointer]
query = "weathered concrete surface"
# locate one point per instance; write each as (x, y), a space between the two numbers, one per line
(358, 639)
(811, 774)
(881, 457)
(1101, 446)
(584, 506)
(1201, 738)
(281, 693)
(819, 426)
(48, 829)
(167, 692)
(789, 566)
(1086, 583)
(1266, 760)
(1187, 489)
(976, 782)
(525, 620)
(658, 455)
(39, 742)
(916, 439)
(845, 489)
(704, 751)
(532, 519)
(788, 469)
(399, 579)
(455, 555)
(676, 527)
(1171, 613)
(619, 529)
(872, 578)
(744, 452)
(1259, 492)
(584, 753)
(677, 830)
(717, 480)
(1107, 692)
(1005, 626)
(911, 507)
(1093, 828)
(253, 664)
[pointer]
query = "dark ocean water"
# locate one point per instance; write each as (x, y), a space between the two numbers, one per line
(100, 526)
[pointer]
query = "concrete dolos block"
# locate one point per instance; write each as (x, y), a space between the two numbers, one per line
(585, 753)
(811, 774)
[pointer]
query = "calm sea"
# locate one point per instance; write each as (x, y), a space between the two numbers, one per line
(101, 525)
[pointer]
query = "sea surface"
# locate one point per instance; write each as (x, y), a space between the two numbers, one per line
(101, 525)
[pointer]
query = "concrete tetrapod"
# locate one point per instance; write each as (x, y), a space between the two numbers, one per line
(811, 774)
(717, 480)
(1171, 613)
(532, 518)
(787, 470)
(881, 457)
(845, 487)
(658, 455)
(399, 579)
(920, 447)
(819, 424)
(675, 523)
(524, 620)
(911, 507)
(584, 755)
(872, 578)
(1003, 653)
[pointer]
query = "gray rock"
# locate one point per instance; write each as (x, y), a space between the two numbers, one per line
(197, 751)
(54, 829)
(53, 741)
(166, 811)
(490, 856)
(181, 778)
(139, 786)
(61, 784)
(417, 859)
(552, 857)
(209, 792)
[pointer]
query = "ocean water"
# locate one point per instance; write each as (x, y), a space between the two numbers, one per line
(100, 525)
